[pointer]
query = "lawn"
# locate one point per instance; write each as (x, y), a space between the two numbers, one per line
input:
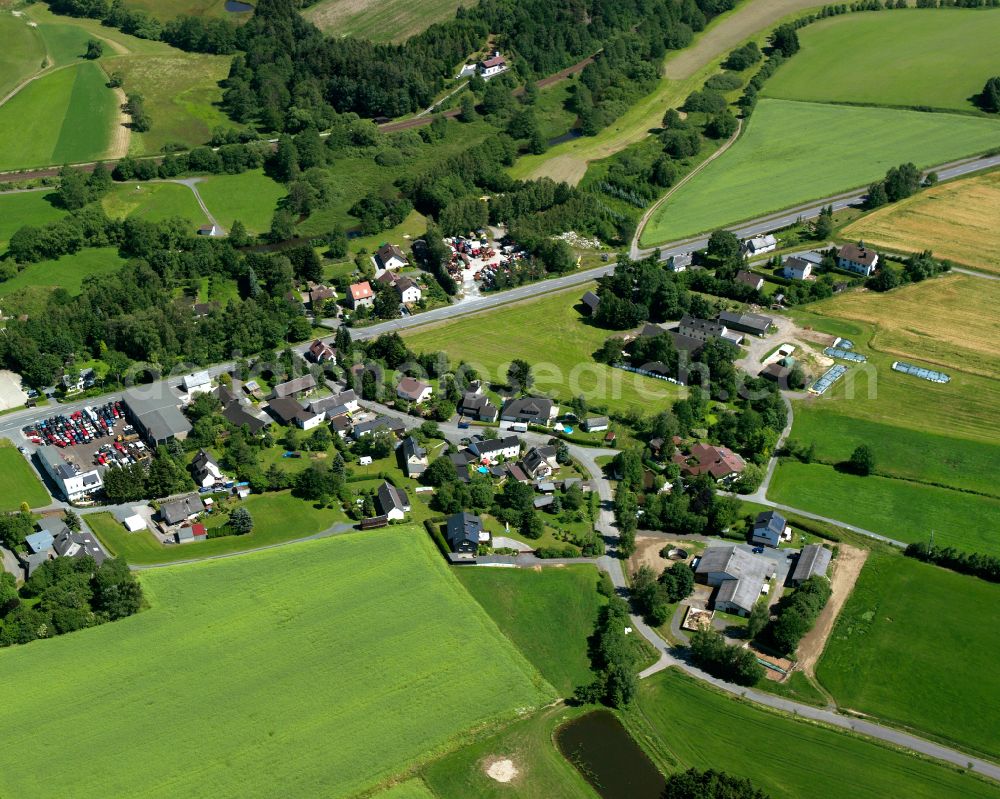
(553, 336)
(250, 197)
(310, 670)
(794, 152)
(25, 208)
(380, 20)
(22, 54)
(67, 272)
(550, 109)
(932, 58)
(278, 517)
(153, 202)
(896, 508)
(549, 614)
(21, 484)
(916, 644)
(690, 725)
(64, 117)
(956, 220)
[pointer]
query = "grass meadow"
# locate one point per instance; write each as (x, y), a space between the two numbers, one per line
(308, 670)
(278, 517)
(928, 57)
(153, 202)
(63, 117)
(34, 282)
(411, 789)
(685, 724)
(916, 644)
(793, 152)
(955, 220)
(251, 197)
(548, 614)
(21, 484)
(22, 54)
(379, 20)
(167, 10)
(25, 208)
(553, 336)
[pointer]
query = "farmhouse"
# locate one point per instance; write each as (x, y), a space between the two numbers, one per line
(288, 411)
(321, 352)
(719, 462)
(389, 256)
(591, 302)
(858, 259)
(796, 268)
(360, 294)
(294, 387)
(205, 470)
(756, 282)
(464, 531)
(492, 449)
(701, 329)
(157, 419)
(813, 559)
(738, 575)
(759, 245)
(529, 410)
(414, 457)
(477, 406)
(540, 461)
(72, 483)
(408, 290)
(746, 322)
(392, 502)
(416, 391)
(493, 65)
(181, 509)
(768, 529)
(595, 424)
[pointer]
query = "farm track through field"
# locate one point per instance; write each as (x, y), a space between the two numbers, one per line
(123, 132)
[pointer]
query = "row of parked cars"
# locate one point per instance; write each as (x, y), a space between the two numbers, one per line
(80, 427)
(121, 452)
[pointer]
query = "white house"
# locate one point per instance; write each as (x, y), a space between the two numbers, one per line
(760, 244)
(416, 391)
(796, 268)
(205, 470)
(389, 256)
(858, 259)
(361, 294)
(409, 291)
(492, 449)
(74, 484)
(196, 383)
(493, 65)
(392, 502)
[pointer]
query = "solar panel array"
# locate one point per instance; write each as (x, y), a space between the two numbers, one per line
(831, 376)
(845, 355)
(919, 371)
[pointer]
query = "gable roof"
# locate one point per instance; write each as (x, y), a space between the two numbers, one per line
(751, 320)
(78, 545)
(388, 251)
(177, 510)
(391, 498)
(463, 527)
(289, 410)
(491, 445)
(294, 386)
(412, 449)
(411, 388)
(814, 559)
(527, 409)
(239, 415)
(859, 255)
(719, 462)
(749, 279)
(591, 300)
(360, 291)
(769, 526)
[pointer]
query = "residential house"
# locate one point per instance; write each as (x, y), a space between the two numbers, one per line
(756, 282)
(239, 414)
(759, 245)
(157, 418)
(530, 410)
(389, 256)
(197, 383)
(490, 450)
(858, 259)
(413, 390)
(294, 387)
(318, 296)
(39, 542)
(493, 65)
(360, 294)
(341, 425)
(68, 544)
(813, 559)
(86, 378)
(205, 470)
(596, 424)
(73, 483)
(719, 462)
(460, 461)
(386, 423)
(739, 576)
(321, 352)
(181, 509)
(392, 502)
(477, 406)
(463, 532)
(746, 322)
(409, 291)
(288, 411)
(678, 263)
(540, 461)
(336, 404)
(768, 529)
(414, 457)
(591, 301)
(795, 268)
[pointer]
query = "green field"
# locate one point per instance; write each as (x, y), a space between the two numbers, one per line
(25, 208)
(411, 789)
(309, 670)
(936, 58)
(68, 272)
(550, 334)
(64, 117)
(278, 517)
(794, 152)
(21, 484)
(153, 202)
(166, 10)
(22, 54)
(380, 20)
(902, 510)
(915, 644)
(696, 726)
(548, 614)
(250, 197)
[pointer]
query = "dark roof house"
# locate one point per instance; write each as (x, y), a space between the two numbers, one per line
(814, 559)
(532, 410)
(177, 510)
(768, 529)
(463, 532)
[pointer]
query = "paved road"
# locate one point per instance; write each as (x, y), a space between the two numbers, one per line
(192, 183)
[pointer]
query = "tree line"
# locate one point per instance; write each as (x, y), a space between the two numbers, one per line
(985, 567)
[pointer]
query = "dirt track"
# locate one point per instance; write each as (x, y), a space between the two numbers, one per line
(122, 134)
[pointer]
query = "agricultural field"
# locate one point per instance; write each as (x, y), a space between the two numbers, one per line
(821, 150)
(932, 58)
(250, 197)
(553, 336)
(357, 675)
(689, 725)
(153, 202)
(958, 220)
(66, 116)
(278, 517)
(380, 20)
(23, 51)
(21, 484)
(411, 789)
(548, 614)
(25, 208)
(915, 645)
(166, 10)
(35, 281)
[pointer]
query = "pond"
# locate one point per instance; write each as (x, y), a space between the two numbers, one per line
(235, 6)
(568, 136)
(605, 754)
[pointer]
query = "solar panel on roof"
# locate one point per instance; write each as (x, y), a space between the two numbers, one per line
(919, 371)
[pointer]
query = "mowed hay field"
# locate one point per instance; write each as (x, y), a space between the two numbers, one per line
(935, 58)
(411, 789)
(167, 10)
(63, 117)
(153, 202)
(380, 20)
(794, 152)
(553, 336)
(916, 644)
(25, 208)
(959, 220)
(22, 53)
(251, 197)
(320, 669)
(67, 272)
(20, 483)
(696, 726)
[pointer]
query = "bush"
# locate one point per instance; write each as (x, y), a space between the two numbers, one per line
(743, 57)
(723, 82)
(710, 652)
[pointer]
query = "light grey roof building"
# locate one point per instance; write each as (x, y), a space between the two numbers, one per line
(739, 575)
(814, 559)
(157, 417)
